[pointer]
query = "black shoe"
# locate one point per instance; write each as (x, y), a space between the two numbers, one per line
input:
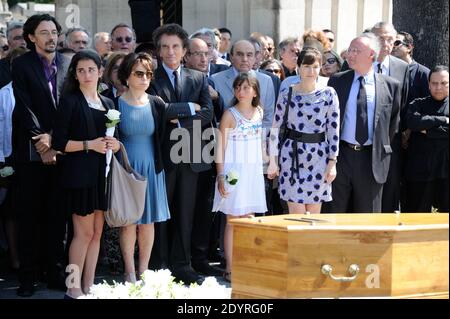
(188, 277)
(207, 270)
(25, 290)
(67, 297)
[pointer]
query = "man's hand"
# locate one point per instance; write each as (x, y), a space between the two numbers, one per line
(405, 138)
(213, 93)
(49, 157)
(44, 142)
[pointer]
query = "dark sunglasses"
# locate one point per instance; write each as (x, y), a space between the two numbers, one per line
(276, 71)
(330, 61)
(398, 42)
(126, 39)
(140, 74)
(5, 47)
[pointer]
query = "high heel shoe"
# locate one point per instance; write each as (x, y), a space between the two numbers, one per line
(130, 277)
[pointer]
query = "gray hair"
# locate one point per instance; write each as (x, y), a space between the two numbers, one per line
(72, 30)
(374, 43)
(99, 35)
(283, 44)
(13, 26)
(385, 26)
(205, 32)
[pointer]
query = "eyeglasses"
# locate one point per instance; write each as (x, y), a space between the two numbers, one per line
(199, 54)
(126, 39)
(399, 42)
(330, 61)
(140, 74)
(53, 33)
(353, 50)
(5, 47)
(275, 71)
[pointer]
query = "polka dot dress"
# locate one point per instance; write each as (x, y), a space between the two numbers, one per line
(315, 112)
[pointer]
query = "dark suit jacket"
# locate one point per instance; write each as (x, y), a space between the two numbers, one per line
(387, 110)
(5, 73)
(276, 82)
(216, 68)
(428, 154)
(418, 81)
(74, 121)
(35, 109)
(194, 89)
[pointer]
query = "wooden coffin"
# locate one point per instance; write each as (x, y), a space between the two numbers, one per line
(369, 255)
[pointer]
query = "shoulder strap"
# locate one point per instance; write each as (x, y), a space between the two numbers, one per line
(288, 105)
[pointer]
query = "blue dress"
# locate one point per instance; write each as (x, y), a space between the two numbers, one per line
(137, 127)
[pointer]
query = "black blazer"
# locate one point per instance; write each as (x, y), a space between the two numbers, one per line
(387, 112)
(74, 121)
(428, 154)
(5, 72)
(194, 89)
(216, 68)
(35, 110)
(418, 81)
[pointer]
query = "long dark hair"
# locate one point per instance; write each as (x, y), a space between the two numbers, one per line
(71, 85)
(252, 81)
(31, 25)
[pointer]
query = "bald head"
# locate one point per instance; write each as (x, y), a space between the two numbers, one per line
(197, 55)
(243, 55)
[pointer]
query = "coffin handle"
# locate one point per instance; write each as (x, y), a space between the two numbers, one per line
(353, 270)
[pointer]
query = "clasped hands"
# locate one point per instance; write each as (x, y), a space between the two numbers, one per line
(43, 147)
(103, 144)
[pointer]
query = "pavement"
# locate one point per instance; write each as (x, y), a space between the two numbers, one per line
(9, 283)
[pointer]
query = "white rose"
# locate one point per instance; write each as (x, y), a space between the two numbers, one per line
(113, 115)
(6, 171)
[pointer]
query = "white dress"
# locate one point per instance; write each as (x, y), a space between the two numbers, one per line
(243, 154)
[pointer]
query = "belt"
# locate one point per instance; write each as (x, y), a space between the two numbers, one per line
(296, 136)
(356, 147)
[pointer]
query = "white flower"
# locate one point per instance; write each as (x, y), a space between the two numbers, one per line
(113, 117)
(6, 171)
(159, 285)
(232, 177)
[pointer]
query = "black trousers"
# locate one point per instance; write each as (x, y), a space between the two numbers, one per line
(181, 184)
(392, 188)
(424, 195)
(354, 190)
(41, 222)
(203, 216)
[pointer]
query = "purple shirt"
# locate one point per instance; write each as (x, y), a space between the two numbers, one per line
(50, 74)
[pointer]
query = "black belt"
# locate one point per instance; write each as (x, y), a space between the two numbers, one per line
(356, 147)
(296, 136)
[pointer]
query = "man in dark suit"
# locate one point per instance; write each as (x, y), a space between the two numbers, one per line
(38, 77)
(182, 146)
(370, 106)
(14, 34)
(388, 64)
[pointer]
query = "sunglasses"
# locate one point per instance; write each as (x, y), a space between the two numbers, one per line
(126, 39)
(140, 74)
(276, 71)
(330, 61)
(5, 47)
(398, 42)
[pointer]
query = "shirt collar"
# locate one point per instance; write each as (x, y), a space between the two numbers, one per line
(368, 78)
(169, 71)
(384, 64)
(45, 61)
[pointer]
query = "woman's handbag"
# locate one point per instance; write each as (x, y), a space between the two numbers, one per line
(127, 193)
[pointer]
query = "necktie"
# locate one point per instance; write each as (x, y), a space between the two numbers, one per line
(362, 127)
(380, 70)
(177, 86)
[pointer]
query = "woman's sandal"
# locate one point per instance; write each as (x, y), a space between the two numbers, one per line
(227, 276)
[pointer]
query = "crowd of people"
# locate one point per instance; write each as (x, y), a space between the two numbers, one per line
(220, 128)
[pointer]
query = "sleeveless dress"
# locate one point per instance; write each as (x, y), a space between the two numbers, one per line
(137, 127)
(243, 155)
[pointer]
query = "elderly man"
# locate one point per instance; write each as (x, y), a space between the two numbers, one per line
(15, 39)
(209, 37)
(242, 60)
(77, 39)
(123, 38)
(388, 64)
(370, 106)
(289, 49)
(102, 43)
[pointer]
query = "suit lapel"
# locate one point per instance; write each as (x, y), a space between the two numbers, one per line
(38, 68)
(379, 84)
(63, 65)
(163, 86)
(186, 84)
(230, 79)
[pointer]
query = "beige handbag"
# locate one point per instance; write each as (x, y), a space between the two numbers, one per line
(127, 193)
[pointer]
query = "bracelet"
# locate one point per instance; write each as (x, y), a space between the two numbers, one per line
(85, 146)
(219, 176)
(333, 160)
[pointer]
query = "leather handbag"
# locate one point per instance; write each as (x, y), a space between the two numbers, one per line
(127, 193)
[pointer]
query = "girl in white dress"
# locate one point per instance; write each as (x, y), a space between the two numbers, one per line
(240, 150)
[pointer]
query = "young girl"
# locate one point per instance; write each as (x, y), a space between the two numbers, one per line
(240, 150)
(80, 134)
